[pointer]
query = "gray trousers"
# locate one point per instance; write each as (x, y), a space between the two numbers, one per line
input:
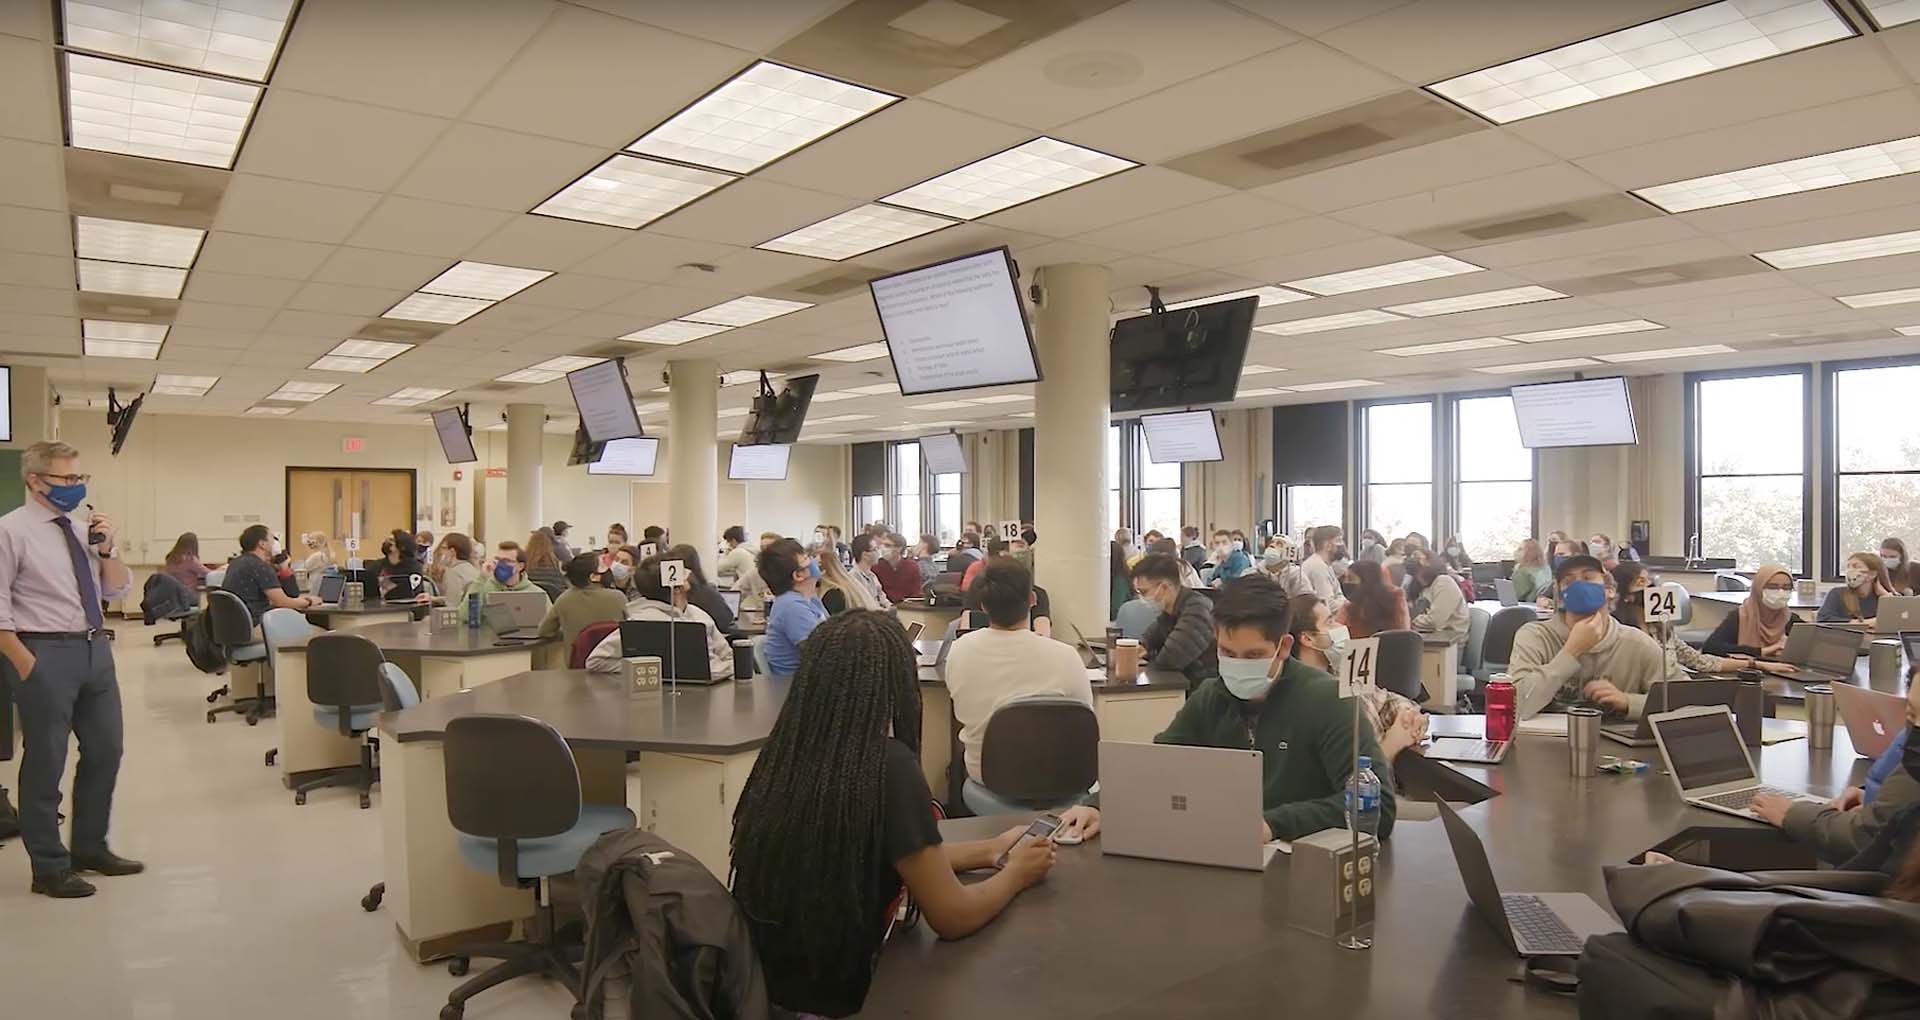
(72, 693)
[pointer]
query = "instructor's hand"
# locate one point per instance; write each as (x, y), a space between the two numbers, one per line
(23, 669)
(103, 524)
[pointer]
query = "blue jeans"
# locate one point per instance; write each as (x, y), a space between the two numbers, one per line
(72, 692)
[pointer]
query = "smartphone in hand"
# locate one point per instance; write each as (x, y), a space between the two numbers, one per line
(1041, 828)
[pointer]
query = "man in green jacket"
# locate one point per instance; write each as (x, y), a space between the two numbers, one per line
(1292, 713)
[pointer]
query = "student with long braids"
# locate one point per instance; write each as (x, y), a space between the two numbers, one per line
(836, 817)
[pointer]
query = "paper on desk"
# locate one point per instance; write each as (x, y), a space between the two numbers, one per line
(1543, 725)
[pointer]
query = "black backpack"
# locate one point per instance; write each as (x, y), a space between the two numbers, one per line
(197, 635)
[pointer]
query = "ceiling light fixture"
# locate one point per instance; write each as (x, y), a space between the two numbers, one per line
(758, 116)
(183, 385)
(673, 333)
(1851, 250)
(437, 308)
(630, 192)
(1337, 384)
(236, 40)
(269, 409)
(302, 392)
(740, 377)
(855, 232)
(1268, 296)
(862, 352)
(359, 355)
(1597, 329)
(1476, 302)
(119, 349)
(1888, 13)
(126, 278)
(1043, 166)
(1537, 366)
(1628, 357)
(1391, 274)
(549, 370)
(744, 311)
(1878, 298)
(1264, 391)
(1789, 177)
(136, 110)
(148, 244)
(1327, 323)
(1447, 347)
(483, 280)
(411, 396)
(842, 418)
(1246, 370)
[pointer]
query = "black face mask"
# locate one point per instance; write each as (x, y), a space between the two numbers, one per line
(1350, 590)
(1910, 756)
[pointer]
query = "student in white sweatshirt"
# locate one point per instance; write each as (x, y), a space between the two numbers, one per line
(653, 600)
(1442, 606)
(1318, 570)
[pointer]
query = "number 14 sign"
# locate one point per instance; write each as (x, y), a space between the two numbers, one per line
(1357, 672)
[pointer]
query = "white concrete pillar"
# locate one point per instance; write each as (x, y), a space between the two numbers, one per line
(693, 455)
(526, 438)
(1070, 416)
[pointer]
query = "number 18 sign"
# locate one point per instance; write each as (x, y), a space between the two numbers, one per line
(1357, 672)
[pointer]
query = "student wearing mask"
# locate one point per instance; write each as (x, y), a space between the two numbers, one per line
(1858, 600)
(1189, 577)
(1842, 829)
(507, 571)
(616, 539)
(1559, 552)
(836, 818)
(1373, 546)
(1321, 642)
(794, 579)
(753, 588)
(701, 591)
(899, 574)
(1006, 662)
(400, 573)
(318, 560)
(1582, 654)
(454, 558)
(251, 576)
(583, 603)
(1902, 574)
(1318, 568)
(653, 600)
(1455, 556)
(1182, 638)
(1442, 606)
(922, 554)
(1758, 629)
(561, 547)
(736, 561)
(1277, 561)
(865, 551)
(1631, 581)
(618, 574)
(1371, 604)
(1416, 540)
(1229, 557)
(1531, 578)
(1192, 550)
(1601, 548)
(423, 546)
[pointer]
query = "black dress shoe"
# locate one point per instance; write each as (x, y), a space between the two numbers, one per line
(64, 886)
(108, 863)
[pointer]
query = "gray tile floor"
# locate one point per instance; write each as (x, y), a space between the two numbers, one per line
(249, 906)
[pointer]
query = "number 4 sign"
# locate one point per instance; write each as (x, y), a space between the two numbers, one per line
(649, 550)
(1357, 672)
(673, 573)
(1008, 530)
(1663, 602)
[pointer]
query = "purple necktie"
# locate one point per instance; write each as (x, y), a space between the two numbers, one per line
(83, 574)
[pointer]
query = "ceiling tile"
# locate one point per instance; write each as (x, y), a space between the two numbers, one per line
(233, 289)
(1449, 161)
(1402, 41)
(1215, 217)
(575, 291)
(1530, 191)
(898, 147)
(31, 174)
(483, 166)
(31, 111)
(755, 25)
(421, 227)
(35, 231)
(37, 270)
(326, 325)
(545, 241)
(228, 252)
(203, 313)
(748, 212)
(1826, 203)
(1610, 238)
(362, 302)
(1266, 242)
(38, 301)
(647, 256)
(1142, 191)
(270, 207)
(331, 141)
(208, 337)
(1315, 17)
(365, 267)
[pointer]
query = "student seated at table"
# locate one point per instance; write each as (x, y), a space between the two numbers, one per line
(653, 600)
(836, 818)
(736, 559)
(183, 562)
(1902, 573)
(1858, 600)
(839, 589)
(1373, 603)
(863, 555)
(1397, 723)
(1181, 639)
(507, 571)
(1582, 654)
(252, 577)
(1631, 580)
(1758, 629)
(700, 591)
(1003, 663)
(1230, 559)
(584, 602)
(1323, 547)
(1531, 578)
(794, 578)
(1277, 562)
(453, 567)
(900, 575)
(400, 571)
(1441, 608)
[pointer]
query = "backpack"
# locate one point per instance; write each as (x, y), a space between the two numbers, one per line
(944, 589)
(197, 634)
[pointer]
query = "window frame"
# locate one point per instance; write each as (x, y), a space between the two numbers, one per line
(1364, 470)
(1832, 557)
(1451, 467)
(1283, 505)
(1690, 454)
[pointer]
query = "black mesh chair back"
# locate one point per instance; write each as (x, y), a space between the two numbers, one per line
(227, 615)
(509, 777)
(343, 671)
(1041, 750)
(1497, 647)
(1398, 668)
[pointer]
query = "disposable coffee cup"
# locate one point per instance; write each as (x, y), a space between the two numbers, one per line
(1583, 741)
(1126, 659)
(1820, 712)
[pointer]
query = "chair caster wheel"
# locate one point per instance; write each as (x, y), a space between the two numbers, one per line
(213, 697)
(272, 756)
(451, 1011)
(371, 901)
(253, 720)
(299, 800)
(365, 802)
(458, 967)
(210, 718)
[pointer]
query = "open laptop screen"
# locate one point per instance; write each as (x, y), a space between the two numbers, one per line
(1704, 750)
(1833, 650)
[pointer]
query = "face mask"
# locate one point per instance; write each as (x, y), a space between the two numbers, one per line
(1338, 638)
(1272, 556)
(1856, 577)
(66, 498)
(813, 569)
(1893, 561)
(1583, 597)
(1350, 589)
(619, 571)
(1239, 546)
(1775, 598)
(1557, 560)
(503, 572)
(1340, 551)
(1636, 596)
(1246, 679)
(1453, 550)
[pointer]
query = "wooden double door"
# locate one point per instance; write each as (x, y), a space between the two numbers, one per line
(344, 503)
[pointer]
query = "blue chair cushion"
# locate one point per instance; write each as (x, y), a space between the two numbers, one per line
(248, 653)
(360, 719)
(550, 855)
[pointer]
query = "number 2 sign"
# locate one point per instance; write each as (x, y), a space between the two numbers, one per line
(673, 573)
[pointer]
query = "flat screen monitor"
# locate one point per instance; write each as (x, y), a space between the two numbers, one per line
(627, 457)
(777, 418)
(120, 420)
(956, 325)
(943, 454)
(454, 441)
(6, 404)
(1181, 358)
(1182, 437)
(764, 463)
(605, 404)
(1584, 412)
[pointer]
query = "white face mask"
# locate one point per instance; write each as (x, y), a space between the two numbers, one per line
(1775, 598)
(1856, 576)
(1246, 679)
(1893, 560)
(1338, 637)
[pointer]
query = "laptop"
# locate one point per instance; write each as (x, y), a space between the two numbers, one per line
(732, 599)
(1703, 752)
(1873, 718)
(1467, 750)
(1820, 655)
(523, 610)
(914, 630)
(1194, 805)
(1532, 924)
(1748, 701)
(680, 645)
(1897, 613)
(1503, 589)
(1090, 657)
(330, 588)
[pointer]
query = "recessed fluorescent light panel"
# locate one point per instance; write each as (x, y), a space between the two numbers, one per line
(1020, 174)
(855, 232)
(1677, 47)
(1597, 329)
(744, 311)
(102, 338)
(1537, 366)
(359, 356)
(1001, 398)
(732, 412)
(267, 409)
(1326, 323)
(412, 396)
(631, 192)
(1448, 347)
(1627, 357)
(1337, 384)
(873, 390)
(1790, 177)
(1264, 391)
(148, 244)
(758, 116)
(152, 112)
(1392, 274)
(549, 370)
(838, 418)
(673, 333)
(1475, 302)
(943, 405)
(239, 40)
(1267, 296)
(1902, 330)
(484, 280)
(1246, 370)
(1852, 250)
(436, 308)
(862, 352)
(1878, 298)
(125, 278)
(183, 385)
(1888, 13)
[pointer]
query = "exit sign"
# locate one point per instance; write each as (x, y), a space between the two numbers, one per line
(352, 444)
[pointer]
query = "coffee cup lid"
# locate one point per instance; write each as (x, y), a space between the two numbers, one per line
(1127, 642)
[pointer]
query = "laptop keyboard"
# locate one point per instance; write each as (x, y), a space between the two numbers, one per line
(1536, 927)
(1471, 749)
(1742, 800)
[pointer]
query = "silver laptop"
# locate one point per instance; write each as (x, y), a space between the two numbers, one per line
(1533, 924)
(1820, 655)
(1874, 718)
(1897, 613)
(1467, 750)
(1503, 589)
(1748, 701)
(1195, 805)
(525, 609)
(1708, 761)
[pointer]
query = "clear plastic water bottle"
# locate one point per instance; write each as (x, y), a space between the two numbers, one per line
(1365, 816)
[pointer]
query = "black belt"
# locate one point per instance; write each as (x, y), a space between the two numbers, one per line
(59, 635)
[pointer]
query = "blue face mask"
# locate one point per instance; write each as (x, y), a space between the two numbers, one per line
(503, 572)
(66, 498)
(1556, 561)
(813, 569)
(1583, 597)
(1246, 679)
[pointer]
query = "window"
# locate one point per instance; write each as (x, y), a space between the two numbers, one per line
(1399, 469)
(1158, 492)
(1748, 460)
(904, 480)
(1309, 506)
(867, 509)
(1493, 497)
(1113, 479)
(946, 508)
(1876, 458)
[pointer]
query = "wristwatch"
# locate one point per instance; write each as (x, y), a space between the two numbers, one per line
(105, 554)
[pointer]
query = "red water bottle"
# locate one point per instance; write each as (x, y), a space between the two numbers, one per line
(1500, 708)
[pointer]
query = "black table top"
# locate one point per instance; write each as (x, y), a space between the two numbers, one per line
(1117, 938)
(1150, 679)
(364, 609)
(602, 710)
(417, 638)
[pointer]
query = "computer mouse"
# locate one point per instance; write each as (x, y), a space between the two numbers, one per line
(1068, 837)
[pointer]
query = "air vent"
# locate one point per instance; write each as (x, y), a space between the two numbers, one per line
(1548, 223)
(1369, 129)
(125, 307)
(1325, 145)
(148, 190)
(406, 332)
(498, 387)
(824, 285)
(1662, 276)
(1600, 211)
(832, 286)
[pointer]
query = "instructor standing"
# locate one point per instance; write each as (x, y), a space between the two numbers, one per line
(53, 574)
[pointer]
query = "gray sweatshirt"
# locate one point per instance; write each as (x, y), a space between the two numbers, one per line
(1835, 835)
(1544, 674)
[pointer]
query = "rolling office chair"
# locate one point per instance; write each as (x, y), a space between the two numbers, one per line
(513, 797)
(1496, 649)
(1398, 667)
(1728, 580)
(1468, 680)
(281, 627)
(396, 692)
(1039, 753)
(232, 628)
(1683, 609)
(343, 682)
(587, 640)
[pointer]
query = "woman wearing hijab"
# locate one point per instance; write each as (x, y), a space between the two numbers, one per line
(1758, 629)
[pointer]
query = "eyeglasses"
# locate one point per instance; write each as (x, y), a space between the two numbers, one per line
(68, 479)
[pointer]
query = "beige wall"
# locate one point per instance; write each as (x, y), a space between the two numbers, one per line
(34, 417)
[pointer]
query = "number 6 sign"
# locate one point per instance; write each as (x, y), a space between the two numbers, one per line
(1663, 602)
